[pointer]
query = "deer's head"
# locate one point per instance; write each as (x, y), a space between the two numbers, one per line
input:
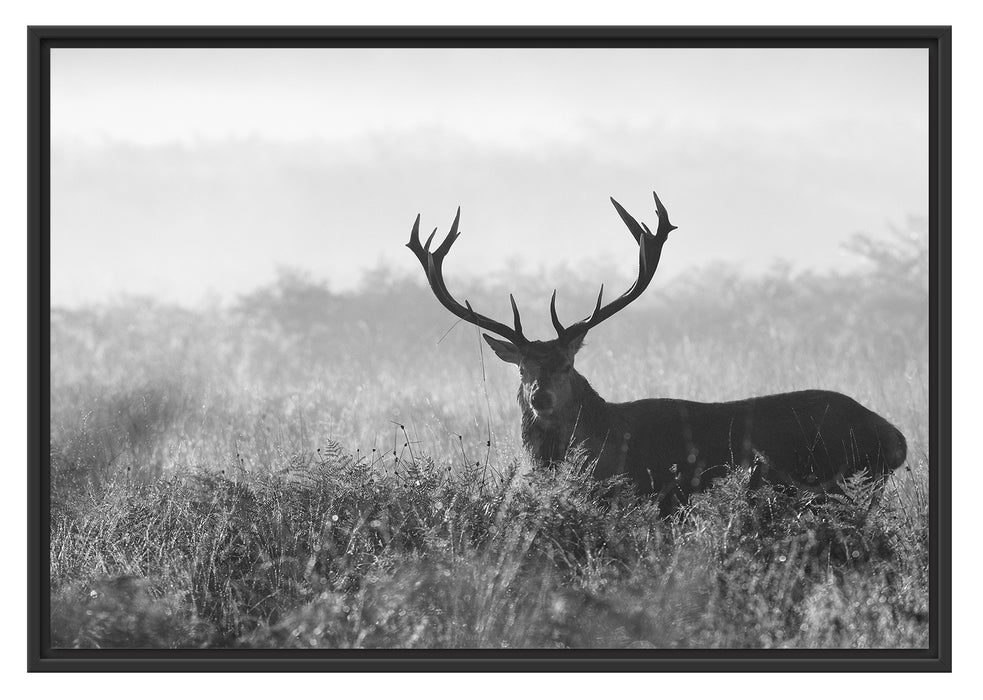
(546, 372)
(545, 367)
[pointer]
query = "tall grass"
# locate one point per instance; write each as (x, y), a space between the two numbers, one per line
(306, 468)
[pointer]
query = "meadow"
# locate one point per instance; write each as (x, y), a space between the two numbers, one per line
(303, 468)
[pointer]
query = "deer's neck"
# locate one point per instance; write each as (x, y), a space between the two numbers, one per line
(581, 423)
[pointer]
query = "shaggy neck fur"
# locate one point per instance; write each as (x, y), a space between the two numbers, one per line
(582, 423)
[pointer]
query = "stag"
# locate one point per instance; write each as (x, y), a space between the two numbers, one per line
(809, 439)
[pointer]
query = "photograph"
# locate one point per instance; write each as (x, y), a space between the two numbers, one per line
(495, 347)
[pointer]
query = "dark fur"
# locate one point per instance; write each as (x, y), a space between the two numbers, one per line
(548, 441)
(807, 438)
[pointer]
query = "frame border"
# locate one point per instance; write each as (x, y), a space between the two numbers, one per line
(938, 41)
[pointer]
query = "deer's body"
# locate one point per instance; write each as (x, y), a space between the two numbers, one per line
(670, 447)
(673, 447)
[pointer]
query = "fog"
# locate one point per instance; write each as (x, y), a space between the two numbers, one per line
(199, 174)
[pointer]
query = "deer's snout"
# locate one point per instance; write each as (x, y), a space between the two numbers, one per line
(541, 399)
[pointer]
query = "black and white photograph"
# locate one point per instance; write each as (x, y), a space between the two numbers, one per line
(495, 346)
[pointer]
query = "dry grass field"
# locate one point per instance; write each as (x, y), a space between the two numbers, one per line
(300, 468)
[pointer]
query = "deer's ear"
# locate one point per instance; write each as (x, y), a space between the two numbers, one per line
(575, 343)
(503, 348)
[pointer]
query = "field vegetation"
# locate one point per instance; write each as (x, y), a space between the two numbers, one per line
(304, 468)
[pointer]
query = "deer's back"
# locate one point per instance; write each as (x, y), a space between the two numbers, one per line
(809, 438)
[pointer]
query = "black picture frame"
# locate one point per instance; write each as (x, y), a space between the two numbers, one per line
(936, 39)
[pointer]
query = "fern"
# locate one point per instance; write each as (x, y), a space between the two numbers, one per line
(860, 491)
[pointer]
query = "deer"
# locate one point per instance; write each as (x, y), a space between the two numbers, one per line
(670, 448)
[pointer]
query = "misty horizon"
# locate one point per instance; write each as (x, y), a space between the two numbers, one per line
(186, 175)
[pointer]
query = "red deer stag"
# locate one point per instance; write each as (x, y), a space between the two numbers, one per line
(670, 447)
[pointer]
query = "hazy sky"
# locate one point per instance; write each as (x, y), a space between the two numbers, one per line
(181, 173)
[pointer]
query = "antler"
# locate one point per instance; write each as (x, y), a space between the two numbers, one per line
(433, 261)
(649, 252)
